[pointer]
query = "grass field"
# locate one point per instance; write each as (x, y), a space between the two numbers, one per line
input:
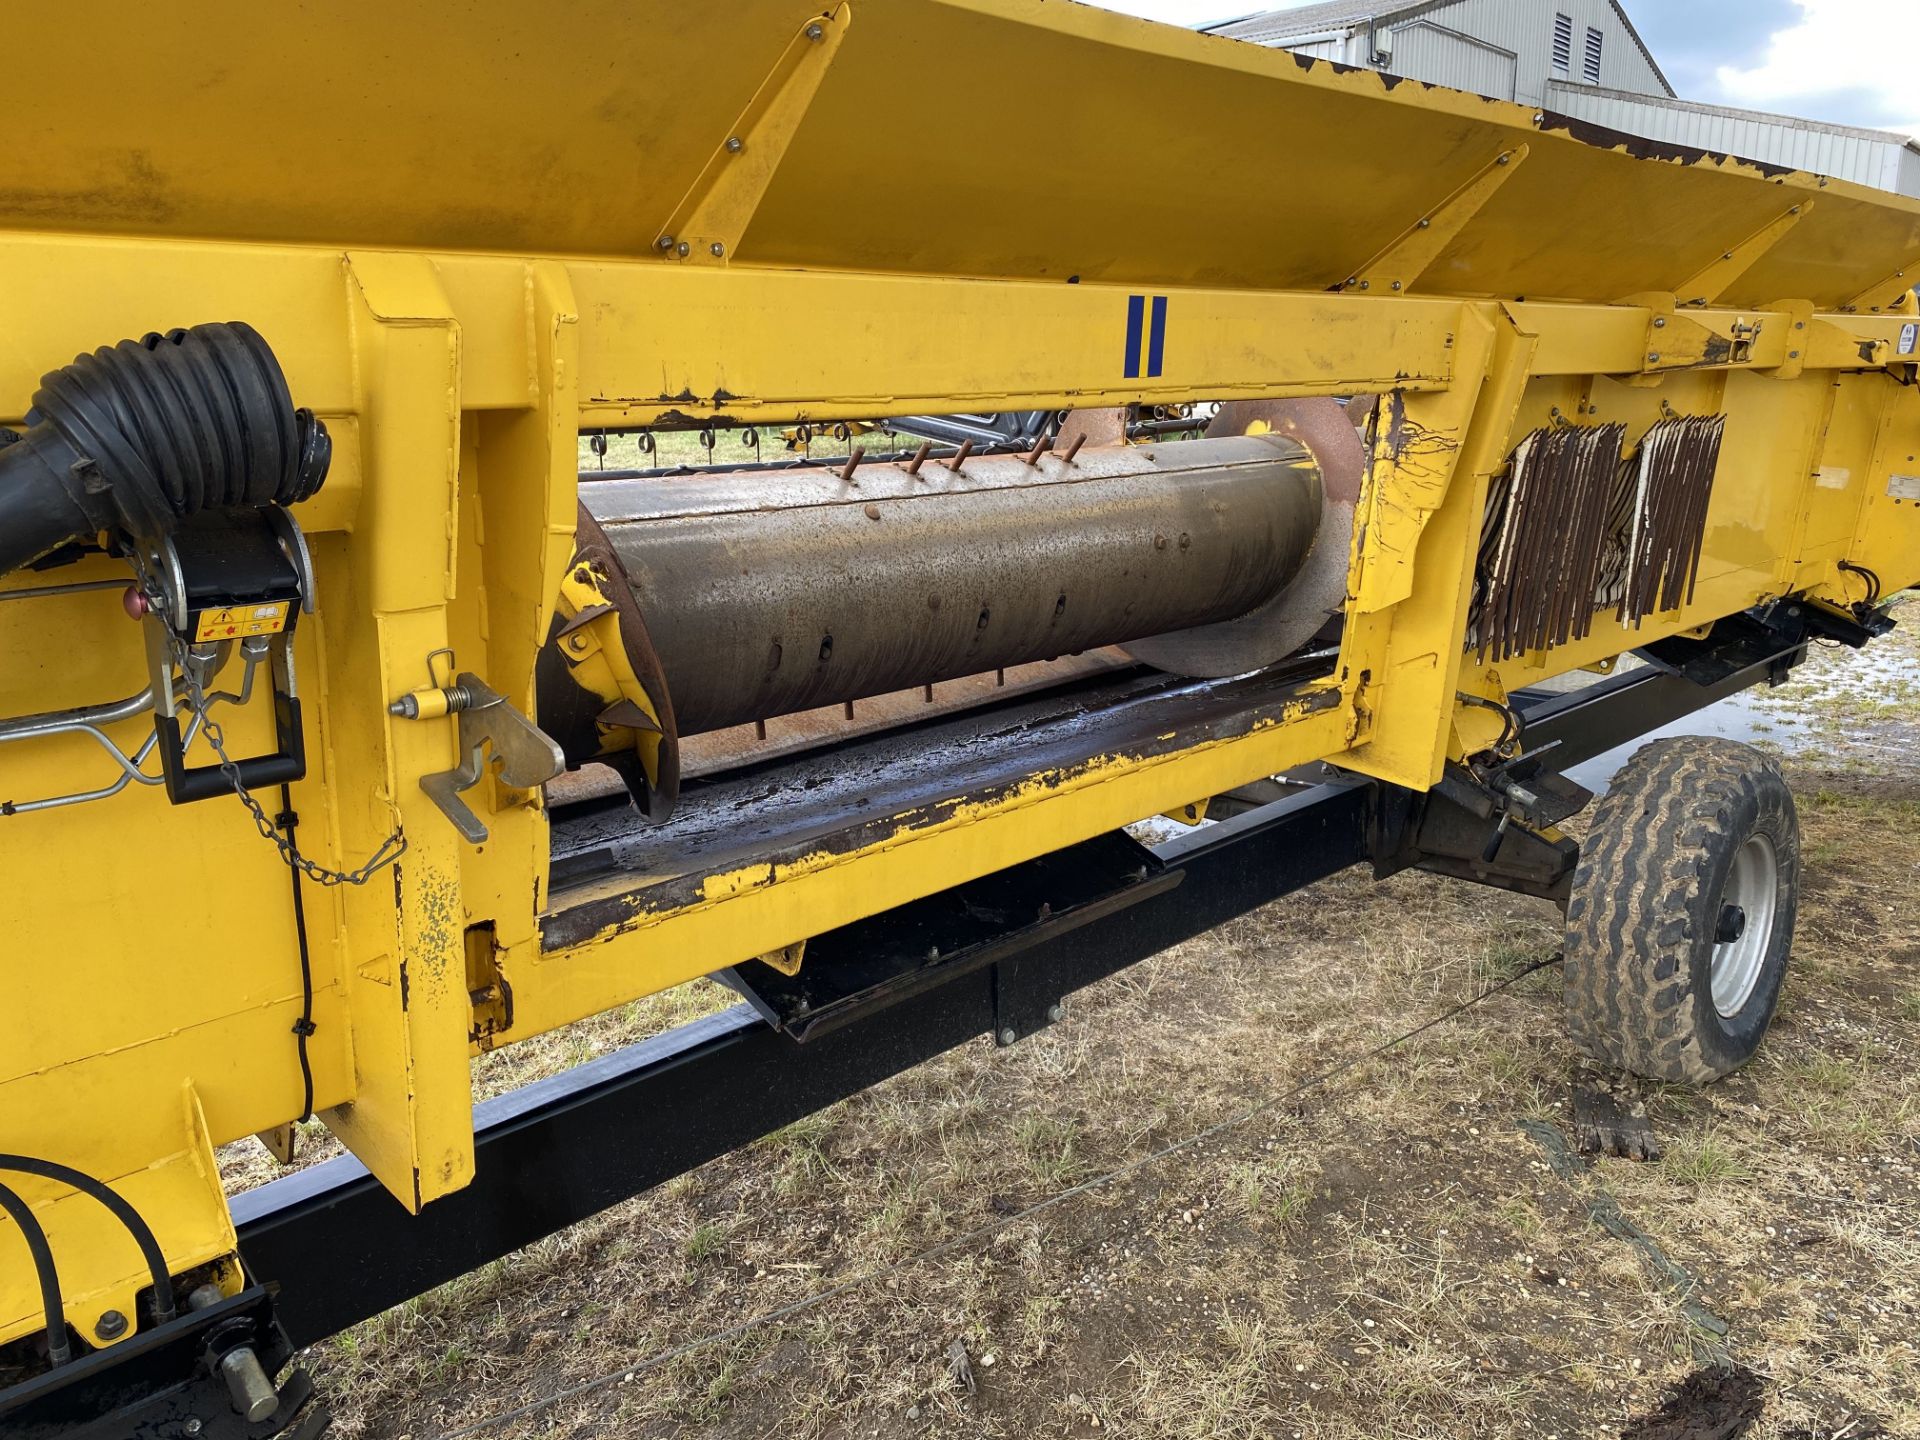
(1404, 1252)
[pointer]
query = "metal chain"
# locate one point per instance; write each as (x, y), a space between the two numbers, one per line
(390, 849)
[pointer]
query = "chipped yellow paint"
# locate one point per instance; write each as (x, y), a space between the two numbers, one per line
(437, 289)
(749, 911)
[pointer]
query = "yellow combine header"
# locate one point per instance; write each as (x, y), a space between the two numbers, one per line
(307, 610)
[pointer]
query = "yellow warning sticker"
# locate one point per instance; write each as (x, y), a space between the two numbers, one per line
(237, 622)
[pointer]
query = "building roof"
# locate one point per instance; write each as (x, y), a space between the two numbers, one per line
(1764, 117)
(1276, 27)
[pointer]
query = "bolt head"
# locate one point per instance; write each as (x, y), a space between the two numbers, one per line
(1056, 1013)
(111, 1325)
(664, 243)
(716, 249)
(683, 249)
(191, 1426)
(815, 32)
(1007, 1036)
(1653, 359)
(735, 144)
(1660, 322)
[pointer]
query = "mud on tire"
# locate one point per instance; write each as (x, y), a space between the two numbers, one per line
(1682, 911)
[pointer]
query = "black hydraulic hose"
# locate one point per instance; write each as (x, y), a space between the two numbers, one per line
(139, 436)
(123, 1212)
(51, 1301)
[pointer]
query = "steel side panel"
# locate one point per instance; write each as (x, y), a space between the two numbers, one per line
(491, 136)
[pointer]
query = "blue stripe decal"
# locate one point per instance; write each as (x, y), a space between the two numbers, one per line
(1136, 318)
(1157, 341)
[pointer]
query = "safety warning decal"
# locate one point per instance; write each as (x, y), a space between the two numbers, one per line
(1909, 339)
(237, 622)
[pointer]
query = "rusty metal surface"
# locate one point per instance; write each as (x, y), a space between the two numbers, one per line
(1671, 481)
(607, 862)
(784, 736)
(1545, 541)
(1274, 630)
(655, 794)
(1096, 429)
(1574, 529)
(767, 595)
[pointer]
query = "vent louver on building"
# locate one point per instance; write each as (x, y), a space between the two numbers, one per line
(1594, 42)
(1563, 45)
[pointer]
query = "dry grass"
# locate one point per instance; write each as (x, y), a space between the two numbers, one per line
(1390, 1256)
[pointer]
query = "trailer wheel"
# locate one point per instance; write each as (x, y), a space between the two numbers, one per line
(1682, 911)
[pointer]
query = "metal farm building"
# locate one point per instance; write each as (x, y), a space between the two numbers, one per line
(1578, 58)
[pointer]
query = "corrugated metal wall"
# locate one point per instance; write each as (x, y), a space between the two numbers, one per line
(1502, 48)
(1425, 51)
(1884, 162)
(1907, 176)
(1525, 27)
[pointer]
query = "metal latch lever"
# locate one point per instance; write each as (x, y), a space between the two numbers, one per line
(526, 755)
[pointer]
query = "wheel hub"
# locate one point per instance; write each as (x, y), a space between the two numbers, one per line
(1745, 929)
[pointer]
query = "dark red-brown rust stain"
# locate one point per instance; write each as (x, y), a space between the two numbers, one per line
(1307, 62)
(1396, 408)
(1599, 136)
(681, 417)
(1707, 1405)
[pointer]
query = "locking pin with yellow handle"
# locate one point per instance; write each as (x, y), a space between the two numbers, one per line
(523, 755)
(437, 699)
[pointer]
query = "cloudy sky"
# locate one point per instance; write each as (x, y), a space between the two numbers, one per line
(1849, 61)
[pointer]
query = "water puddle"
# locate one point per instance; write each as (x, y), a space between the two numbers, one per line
(1856, 707)
(1744, 717)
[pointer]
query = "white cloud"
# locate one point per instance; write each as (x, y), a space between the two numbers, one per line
(1864, 47)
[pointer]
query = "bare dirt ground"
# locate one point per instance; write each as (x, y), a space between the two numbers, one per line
(1406, 1251)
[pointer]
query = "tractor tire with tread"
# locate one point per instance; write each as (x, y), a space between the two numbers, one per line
(1689, 827)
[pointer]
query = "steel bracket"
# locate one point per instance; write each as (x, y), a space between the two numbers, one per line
(1677, 341)
(526, 755)
(1491, 827)
(170, 1381)
(712, 216)
(1713, 281)
(1891, 296)
(1396, 269)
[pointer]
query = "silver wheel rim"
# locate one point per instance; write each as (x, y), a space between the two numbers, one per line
(1753, 885)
